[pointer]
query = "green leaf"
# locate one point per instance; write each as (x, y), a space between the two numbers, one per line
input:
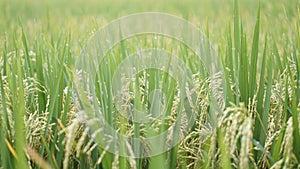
(254, 56)
(236, 48)
(243, 71)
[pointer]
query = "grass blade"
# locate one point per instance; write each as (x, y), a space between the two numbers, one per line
(254, 56)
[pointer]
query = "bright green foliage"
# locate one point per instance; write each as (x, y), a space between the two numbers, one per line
(258, 44)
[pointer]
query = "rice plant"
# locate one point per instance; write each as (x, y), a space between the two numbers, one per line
(45, 118)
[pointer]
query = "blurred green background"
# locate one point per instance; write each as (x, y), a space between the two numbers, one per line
(81, 15)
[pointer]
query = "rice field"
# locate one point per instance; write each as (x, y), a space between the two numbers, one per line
(192, 84)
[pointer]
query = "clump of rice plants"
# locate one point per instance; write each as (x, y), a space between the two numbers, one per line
(43, 123)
